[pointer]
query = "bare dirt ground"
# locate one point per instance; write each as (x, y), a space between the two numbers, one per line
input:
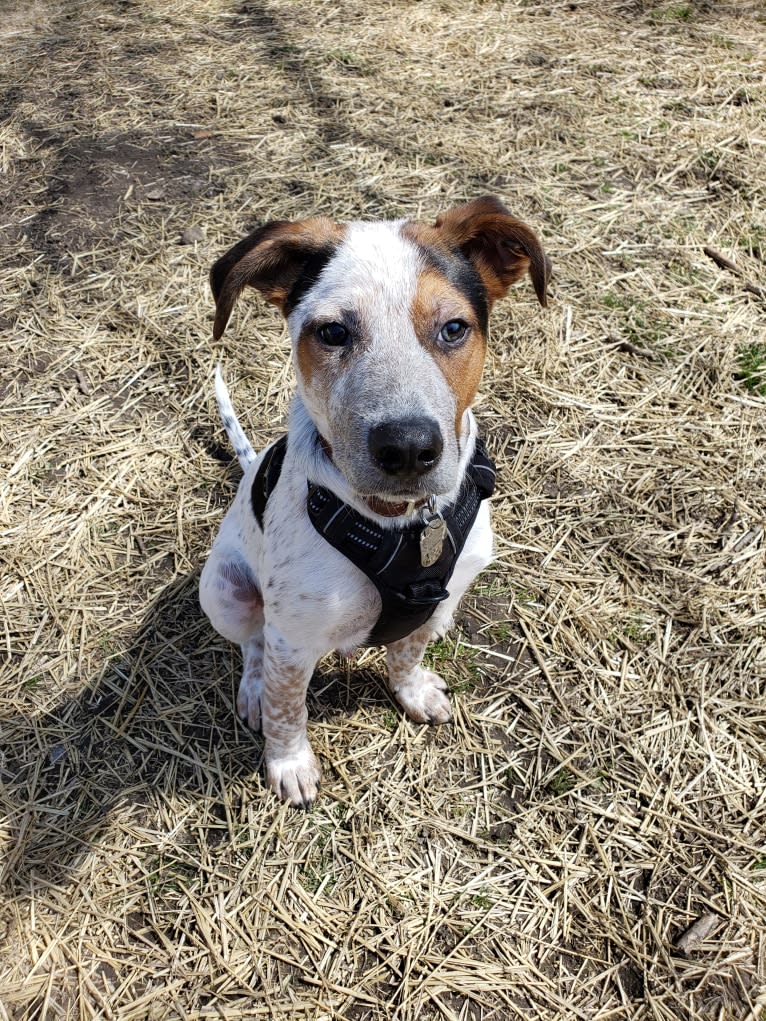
(587, 840)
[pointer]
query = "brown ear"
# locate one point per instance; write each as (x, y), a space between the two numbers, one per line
(501, 247)
(272, 260)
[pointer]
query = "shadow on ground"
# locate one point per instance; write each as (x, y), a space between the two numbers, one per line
(158, 720)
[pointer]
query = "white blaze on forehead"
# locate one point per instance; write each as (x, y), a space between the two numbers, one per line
(373, 273)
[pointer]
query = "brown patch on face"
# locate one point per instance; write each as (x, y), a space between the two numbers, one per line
(436, 301)
(321, 365)
(309, 356)
(318, 366)
(271, 260)
(423, 234)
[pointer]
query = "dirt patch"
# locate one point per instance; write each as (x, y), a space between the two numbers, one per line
(91, 180)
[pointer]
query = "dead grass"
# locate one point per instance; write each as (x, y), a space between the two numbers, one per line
(588, 839)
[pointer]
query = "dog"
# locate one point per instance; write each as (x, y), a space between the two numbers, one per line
(346, 532)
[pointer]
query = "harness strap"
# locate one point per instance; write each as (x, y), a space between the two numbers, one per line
(390, 558)
(267, 477)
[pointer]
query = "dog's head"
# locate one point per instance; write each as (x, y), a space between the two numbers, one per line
(389, 324)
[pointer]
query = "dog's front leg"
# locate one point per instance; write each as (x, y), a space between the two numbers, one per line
(251, 686)
(420, 692)
(292, 771)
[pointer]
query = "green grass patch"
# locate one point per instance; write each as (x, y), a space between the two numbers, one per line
(349, 60)
(639, 323)
(391, 720)
(501, 632)
(672, 13)
(562, 782)
(638, 629)
(752, 368)
(754, 242)
(456, 664)
(481, 900)
(319, 868)
(496, 587)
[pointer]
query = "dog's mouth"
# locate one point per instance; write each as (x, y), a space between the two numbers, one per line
(390, 508)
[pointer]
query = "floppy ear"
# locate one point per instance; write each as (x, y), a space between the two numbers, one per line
(501, 248)
(272, 260)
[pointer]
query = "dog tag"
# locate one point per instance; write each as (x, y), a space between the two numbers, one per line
(432, 540)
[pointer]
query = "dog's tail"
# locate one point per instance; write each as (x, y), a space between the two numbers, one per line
(241, 444)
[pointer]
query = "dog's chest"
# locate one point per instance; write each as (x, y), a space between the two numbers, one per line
(307, 584)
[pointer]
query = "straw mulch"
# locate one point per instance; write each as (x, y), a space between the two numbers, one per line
(587, 839)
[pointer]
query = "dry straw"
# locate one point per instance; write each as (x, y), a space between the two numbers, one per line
(586, 840)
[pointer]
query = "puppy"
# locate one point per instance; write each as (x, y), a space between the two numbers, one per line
(369, 520)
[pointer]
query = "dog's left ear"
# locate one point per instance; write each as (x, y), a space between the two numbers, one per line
(501, 247)
(273, 260)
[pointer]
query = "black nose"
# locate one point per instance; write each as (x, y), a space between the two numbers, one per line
(406, 446)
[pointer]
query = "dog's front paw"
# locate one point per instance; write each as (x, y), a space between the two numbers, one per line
(294, 778)
(249, 699)
(424, 698)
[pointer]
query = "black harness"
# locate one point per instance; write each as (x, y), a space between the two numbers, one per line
(391, 558)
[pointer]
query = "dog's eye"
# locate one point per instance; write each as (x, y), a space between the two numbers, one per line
(333, 334)
(454, 331)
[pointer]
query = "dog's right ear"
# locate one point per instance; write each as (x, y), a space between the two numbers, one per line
(272, 260)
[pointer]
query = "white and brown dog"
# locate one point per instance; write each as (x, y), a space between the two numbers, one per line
(346, 532)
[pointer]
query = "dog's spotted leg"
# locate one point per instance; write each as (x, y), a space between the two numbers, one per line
(251, 685)
(420, 692)
(292, 771)
(231, 598)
